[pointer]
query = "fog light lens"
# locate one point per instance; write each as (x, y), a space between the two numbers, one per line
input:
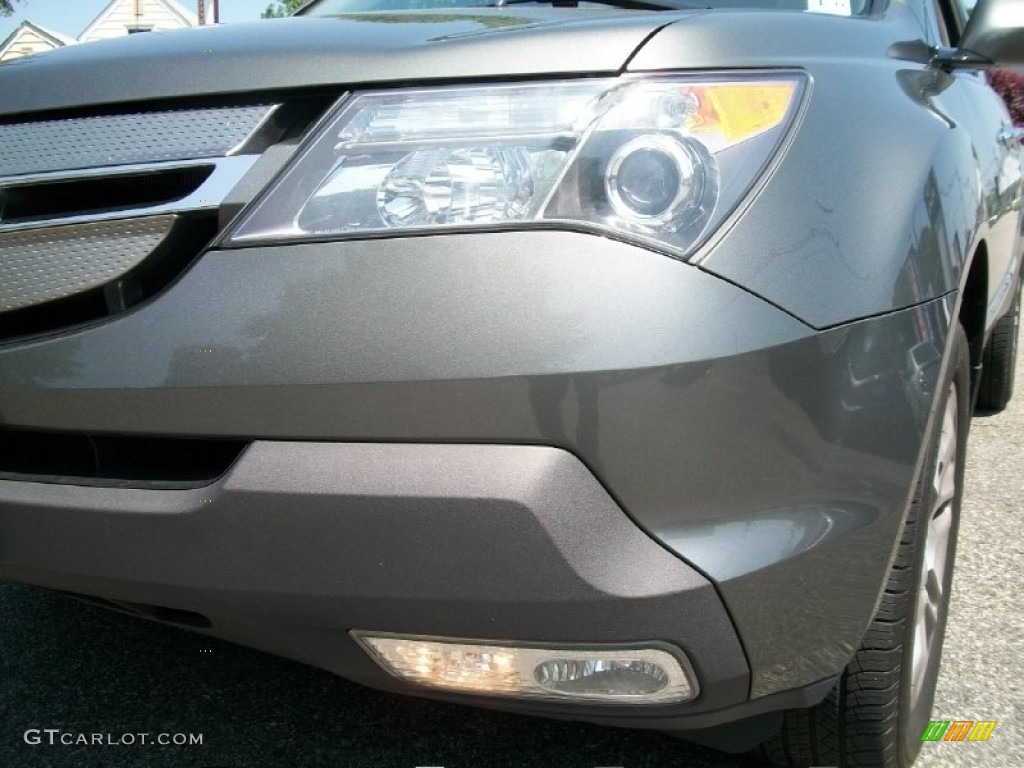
(621, 676)
(631, 677)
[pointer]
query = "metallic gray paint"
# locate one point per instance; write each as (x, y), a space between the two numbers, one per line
(669, 383)
(475, 43)
(468, 306)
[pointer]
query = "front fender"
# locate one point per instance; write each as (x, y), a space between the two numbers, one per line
(876, 205)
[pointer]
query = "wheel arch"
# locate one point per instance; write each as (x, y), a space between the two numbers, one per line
(973, 310)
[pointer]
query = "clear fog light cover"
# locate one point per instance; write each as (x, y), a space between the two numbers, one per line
(621, 676)
(660, 159)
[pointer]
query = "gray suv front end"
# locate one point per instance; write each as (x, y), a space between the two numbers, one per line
(542, 433)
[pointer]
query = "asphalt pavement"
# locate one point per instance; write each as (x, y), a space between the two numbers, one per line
(68, 669)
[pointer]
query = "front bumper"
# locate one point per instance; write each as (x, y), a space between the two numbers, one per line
(300, 542)
(538, 436)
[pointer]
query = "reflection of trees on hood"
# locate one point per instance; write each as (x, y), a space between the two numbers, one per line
(6, 7)
(279, 9)
(1010, 85)
(484, 20)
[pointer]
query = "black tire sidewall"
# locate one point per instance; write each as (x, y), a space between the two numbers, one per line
(999, 361)
(1014, 319)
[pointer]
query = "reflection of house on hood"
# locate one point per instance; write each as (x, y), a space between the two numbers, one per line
(119, 17)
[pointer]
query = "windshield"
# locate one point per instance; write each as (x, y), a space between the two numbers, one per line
(835, 7)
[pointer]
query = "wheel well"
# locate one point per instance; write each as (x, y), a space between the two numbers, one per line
(973, 309)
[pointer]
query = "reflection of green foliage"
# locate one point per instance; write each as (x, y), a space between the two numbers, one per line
(279, 9)
(485, 20)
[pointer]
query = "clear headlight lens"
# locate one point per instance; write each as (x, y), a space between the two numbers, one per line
(659, 159)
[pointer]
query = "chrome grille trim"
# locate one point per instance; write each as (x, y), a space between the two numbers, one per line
(227, 172)
(42, 265)
(115, 140)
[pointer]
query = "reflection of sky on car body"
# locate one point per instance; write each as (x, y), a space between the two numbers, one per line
(71, 17)
(767, 537)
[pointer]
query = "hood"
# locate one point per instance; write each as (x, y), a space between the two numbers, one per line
(475, 43)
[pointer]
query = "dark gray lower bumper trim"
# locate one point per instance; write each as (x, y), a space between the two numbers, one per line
(301, 542)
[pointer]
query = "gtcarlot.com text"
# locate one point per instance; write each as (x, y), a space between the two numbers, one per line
(57, 737)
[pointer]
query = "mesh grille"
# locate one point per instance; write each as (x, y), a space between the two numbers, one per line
(88, 142)
(41, 265)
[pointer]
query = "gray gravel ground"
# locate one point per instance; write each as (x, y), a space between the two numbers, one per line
(70, 666)
(983, 661)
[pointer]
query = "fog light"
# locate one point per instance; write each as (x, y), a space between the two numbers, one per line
(622, 676)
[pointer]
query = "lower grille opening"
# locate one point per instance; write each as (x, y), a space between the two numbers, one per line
(146, 611)
(113, 460)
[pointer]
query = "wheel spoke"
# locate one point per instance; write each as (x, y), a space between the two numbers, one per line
(938, 524)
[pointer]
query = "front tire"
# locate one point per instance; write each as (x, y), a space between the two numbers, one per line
(999, 361)
(880, 707)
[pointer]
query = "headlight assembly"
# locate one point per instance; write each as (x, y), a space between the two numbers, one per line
(659, 159)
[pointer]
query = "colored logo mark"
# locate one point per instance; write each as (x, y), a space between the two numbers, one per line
(959, 730)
